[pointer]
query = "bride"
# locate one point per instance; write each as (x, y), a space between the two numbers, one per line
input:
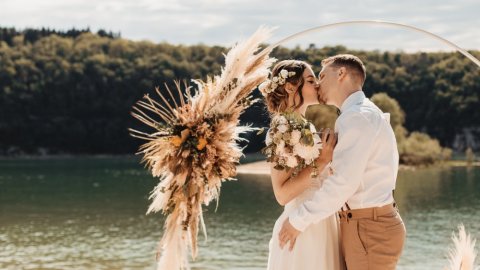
(317, 248)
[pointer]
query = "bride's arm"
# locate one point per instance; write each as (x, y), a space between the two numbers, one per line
(287, 188)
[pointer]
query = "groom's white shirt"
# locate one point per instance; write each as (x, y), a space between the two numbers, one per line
(365, 164)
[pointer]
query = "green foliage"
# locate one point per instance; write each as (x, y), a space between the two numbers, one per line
(390, 105)
(72, 91)
(414, 149)
(419, 148)
(74, 94)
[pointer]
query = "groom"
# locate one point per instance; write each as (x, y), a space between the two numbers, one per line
(365, 164)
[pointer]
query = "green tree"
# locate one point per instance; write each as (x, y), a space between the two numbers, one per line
(416, 148)
(421, 149)
(71, 91)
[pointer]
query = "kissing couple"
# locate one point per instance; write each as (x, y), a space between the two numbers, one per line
(344, 217)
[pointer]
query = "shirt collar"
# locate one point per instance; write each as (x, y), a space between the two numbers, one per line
(353, 99)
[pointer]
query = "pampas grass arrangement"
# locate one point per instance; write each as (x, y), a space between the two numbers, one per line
(193, 146)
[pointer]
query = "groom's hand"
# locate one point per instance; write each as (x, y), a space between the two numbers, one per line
(288, 233)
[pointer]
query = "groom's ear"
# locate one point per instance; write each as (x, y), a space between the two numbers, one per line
(341, 73)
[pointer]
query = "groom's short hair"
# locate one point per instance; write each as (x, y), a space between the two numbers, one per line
(352, 63)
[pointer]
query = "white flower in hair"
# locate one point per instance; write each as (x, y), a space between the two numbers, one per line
(269, 86)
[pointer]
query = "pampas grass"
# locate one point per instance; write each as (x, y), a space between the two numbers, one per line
(462, 255)
(193, 147)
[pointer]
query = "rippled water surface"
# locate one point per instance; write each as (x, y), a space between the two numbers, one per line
(89, 213)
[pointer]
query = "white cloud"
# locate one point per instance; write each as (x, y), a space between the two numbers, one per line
(224, 21)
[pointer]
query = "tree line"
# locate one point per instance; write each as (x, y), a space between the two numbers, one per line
(72, 91)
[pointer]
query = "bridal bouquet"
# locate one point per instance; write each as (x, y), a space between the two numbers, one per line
(292, 143)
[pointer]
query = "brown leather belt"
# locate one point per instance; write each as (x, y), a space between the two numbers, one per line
(367, 213)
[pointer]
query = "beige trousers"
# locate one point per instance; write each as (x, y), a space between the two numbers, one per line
(372, 238)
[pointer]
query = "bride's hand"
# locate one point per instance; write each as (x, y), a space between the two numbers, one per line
(329, 140)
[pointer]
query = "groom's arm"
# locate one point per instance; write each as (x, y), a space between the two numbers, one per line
(350, 157)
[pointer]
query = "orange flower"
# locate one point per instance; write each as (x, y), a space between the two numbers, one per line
(175, 140)
(201, 143)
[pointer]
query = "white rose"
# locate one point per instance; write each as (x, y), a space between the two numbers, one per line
(284, 73)
(307, 153)
(282, 120)
(280, 148)
(275, 79)
(282, 128)
(295, 137)
(292, 161)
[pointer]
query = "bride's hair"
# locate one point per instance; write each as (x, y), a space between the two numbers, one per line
(277, 100)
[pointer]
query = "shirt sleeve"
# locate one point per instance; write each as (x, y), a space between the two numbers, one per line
(350, 157)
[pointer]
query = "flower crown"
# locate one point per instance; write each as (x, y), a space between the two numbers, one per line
(270, 85)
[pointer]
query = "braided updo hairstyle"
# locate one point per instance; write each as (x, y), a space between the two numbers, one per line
(277, 101)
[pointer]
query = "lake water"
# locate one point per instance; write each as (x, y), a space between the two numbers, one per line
(89, 213)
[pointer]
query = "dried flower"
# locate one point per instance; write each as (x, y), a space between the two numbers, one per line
(176, 141)
(190, 167)
(201, 143)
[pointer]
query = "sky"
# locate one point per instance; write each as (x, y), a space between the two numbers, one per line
(222, 22)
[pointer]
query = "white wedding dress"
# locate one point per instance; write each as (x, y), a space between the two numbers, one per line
(316, 248)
